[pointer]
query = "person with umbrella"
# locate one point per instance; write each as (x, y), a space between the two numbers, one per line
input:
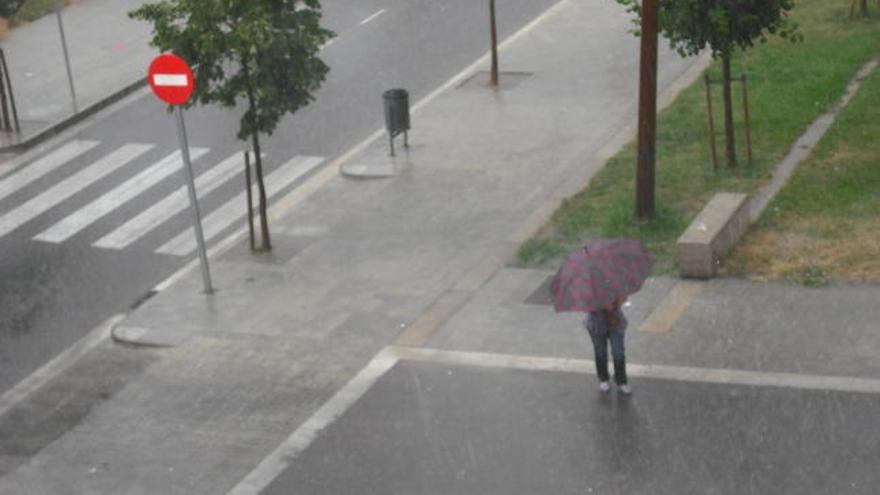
(597, 279)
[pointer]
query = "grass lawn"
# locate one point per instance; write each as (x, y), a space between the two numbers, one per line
(789, 85)
(825, 223)
(32, 10)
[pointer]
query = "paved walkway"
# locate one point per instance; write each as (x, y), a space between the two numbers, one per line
(384, 347)
(109, 54)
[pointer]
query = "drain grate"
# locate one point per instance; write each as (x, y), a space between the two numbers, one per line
(506, 80)
(284, 249)
(541, 296)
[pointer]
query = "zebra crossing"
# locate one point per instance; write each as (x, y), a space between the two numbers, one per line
(146, 176)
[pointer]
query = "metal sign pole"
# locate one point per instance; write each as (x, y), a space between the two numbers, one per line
(66, 56)
(191, 186)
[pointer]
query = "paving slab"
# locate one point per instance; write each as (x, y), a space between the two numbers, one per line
(728, 323)
(105, 64)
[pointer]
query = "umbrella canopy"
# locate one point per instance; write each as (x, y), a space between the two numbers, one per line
(596, 275)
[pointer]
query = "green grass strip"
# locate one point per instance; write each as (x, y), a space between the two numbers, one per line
(827, 218)
(789, 86)
(32, 10)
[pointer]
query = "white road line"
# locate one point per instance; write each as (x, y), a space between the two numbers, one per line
(328, 43)
(277, 461)
(234, 209)
(680, 373)
(368, 19)
(29, 173)
(173, 204)
(90, 213)
(70, 186)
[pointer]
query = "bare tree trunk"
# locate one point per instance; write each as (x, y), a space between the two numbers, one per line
(863, 8)
(729, 135)
(647, 136)
(492, 26)
(266, 244)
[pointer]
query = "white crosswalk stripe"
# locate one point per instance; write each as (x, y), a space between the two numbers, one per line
(29, 173)
(173, 204)
(39, 199)
(70, 186)
(131, 188)
(234, 209)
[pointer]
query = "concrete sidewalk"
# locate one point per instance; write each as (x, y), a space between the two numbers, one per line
(109, 54)
(243, 389)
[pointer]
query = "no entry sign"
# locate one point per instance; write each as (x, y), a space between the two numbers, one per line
(171, 79)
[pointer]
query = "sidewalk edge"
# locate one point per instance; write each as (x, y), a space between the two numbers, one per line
(58, 127)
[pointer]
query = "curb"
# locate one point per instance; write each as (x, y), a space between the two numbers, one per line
(56, 128)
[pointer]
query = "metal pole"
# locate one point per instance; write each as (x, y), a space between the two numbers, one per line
(494, 74)
(5, 119)
(711, 114)
(191, 186)
(647, 111)
(9, 86)
(66, 56)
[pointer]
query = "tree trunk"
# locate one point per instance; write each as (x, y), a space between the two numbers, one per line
(729, 136)
(266, 244)
(863, 8)
(494, 32)
(647, 136)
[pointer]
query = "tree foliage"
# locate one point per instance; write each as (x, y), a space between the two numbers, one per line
(263, 51)
(721, 25)
(264, 48)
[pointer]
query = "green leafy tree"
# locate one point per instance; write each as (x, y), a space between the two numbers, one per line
(723, 26)
(264, 52)
(8, 8)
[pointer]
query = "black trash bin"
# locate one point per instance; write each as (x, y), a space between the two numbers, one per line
(396, 102)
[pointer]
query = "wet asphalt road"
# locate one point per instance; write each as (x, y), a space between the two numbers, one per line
(53, 293)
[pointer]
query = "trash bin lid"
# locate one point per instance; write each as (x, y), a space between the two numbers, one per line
(395, 94)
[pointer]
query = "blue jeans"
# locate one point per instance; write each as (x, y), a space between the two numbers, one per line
(600, 346)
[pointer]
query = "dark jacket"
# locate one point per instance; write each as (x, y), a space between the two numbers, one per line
(598, 325)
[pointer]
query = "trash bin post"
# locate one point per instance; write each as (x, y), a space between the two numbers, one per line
(396, 104)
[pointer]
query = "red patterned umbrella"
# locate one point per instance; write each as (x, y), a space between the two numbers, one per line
(600, 273)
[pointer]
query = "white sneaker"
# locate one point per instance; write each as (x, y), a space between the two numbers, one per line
(604, 386)
(625, 389)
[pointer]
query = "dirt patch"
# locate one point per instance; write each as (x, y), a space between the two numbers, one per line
(837, 249)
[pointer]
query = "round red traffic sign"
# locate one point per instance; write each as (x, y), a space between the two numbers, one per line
(171, 79)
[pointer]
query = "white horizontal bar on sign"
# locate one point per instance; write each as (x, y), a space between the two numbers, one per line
(70, 186)
(234, 209)
(131, 188)
(33, 171)
(176, 80)
(173, 204)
